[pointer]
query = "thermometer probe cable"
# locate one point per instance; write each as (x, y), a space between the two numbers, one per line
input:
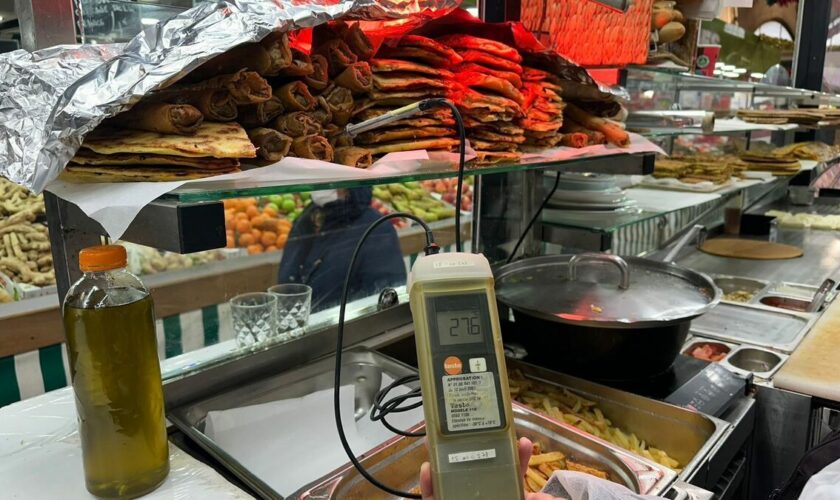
(397, 404)
(384, 407)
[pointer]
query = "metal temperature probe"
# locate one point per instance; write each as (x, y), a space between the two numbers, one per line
(469, 421)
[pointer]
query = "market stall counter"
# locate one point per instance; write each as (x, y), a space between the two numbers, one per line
(40, 434)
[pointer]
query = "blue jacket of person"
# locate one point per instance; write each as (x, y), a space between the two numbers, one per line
(321, 244)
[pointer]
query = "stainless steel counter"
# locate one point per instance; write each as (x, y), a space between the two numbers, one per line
(821, 259)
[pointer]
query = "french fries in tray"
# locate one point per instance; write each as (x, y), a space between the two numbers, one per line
(565, 406)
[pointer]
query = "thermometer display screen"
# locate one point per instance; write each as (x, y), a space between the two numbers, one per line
(459, 320)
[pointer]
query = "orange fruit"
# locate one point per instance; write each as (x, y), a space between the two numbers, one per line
(271, 248)
(230, 243)
(241, 216)
(270, 225)
(246, 239)
(281, 240)
(249, 202)
(285, 224)
(257, 234)
(243, 227)
(269, 211)
(258, 221)
(268, 238)
(252, 211)
(254, 249)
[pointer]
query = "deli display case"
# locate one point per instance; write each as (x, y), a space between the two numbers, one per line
(200, 244)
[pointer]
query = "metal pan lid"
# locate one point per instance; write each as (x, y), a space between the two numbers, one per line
(605, 290)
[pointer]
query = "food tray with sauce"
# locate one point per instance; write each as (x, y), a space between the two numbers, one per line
(685, 435)
(754, 324)
(743, 359)
(739, 290)
(707, 349)
(398, 461)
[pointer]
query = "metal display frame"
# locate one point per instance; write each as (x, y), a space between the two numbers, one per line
(189, 227)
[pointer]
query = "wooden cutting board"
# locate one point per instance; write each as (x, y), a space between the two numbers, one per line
(813, 367)
(750, 249)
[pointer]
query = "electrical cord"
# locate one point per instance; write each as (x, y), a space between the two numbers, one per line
(381, 407)
(534, 219)
(462, 151)
(431, 248)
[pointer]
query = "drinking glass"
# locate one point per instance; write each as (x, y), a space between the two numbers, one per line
(293, 304)
(254, 318)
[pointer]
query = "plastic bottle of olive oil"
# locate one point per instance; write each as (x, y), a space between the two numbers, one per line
(110, 325)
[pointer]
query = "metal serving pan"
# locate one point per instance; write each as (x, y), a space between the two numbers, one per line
(361, 367)
(398, 461)
(755, 324)
(729, 284)
(685, 435)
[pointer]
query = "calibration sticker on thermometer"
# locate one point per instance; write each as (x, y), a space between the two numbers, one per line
(472, 456)
(471, 402)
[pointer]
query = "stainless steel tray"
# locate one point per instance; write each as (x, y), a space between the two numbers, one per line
(734, 349)
(754, 324)
(362, 367)
(729, 284)
(747, 359)
(398, 461)
(685, 435)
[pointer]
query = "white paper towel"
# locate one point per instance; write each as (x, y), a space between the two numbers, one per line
(266, 438)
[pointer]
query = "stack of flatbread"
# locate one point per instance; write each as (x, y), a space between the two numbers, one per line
(694, 170)
(777, 165)
(816, 151)
(543, 108)
(487, 90)
(410, 71)
(123, 155)
(809, 117)
(665, 168)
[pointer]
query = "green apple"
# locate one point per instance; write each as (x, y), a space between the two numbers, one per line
(288, 205)
(276, 199)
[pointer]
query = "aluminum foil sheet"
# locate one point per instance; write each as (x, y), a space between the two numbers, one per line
(52, 98)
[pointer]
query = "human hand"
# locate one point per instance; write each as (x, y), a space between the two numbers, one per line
(526, 448)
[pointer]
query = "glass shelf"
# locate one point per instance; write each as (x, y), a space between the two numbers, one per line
(602, 222)
(661, 88)
(623, 163)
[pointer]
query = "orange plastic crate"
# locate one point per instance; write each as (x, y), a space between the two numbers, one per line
(589, 33)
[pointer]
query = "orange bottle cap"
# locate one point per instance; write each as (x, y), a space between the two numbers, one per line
(102, 258)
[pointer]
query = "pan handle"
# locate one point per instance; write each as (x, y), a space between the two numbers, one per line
(620, 263)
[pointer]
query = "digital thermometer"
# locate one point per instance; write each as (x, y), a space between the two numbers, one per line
(469, 420)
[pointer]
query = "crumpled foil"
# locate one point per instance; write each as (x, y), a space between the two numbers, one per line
(50, 99)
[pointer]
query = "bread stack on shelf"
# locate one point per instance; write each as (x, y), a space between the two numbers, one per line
(543, 109)
(403, 74)
(487, 90)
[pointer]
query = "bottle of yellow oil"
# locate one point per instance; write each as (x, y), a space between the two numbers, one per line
(110, 326)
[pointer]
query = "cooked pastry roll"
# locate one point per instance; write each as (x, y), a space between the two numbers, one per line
(297, 124)
(353, 157)
(357, 77)
(295, 96)
(271, 144)
(320, 77)
(256, 115)
(162, 118)
(279, 52)
(314, 147)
